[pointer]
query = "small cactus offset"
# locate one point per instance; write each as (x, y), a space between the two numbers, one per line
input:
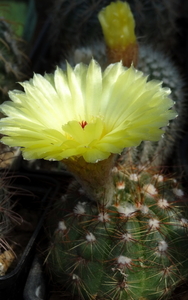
(13, 62)
(135, 248)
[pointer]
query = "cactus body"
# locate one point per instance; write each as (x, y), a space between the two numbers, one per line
(161, 68)
(134, 249)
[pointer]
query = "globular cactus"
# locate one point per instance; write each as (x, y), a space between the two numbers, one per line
(160, 67)
(134, 249)
(13, 61)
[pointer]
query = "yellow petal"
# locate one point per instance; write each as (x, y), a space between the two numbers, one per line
(85, 112)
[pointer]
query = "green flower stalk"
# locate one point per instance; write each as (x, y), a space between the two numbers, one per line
(85, 116)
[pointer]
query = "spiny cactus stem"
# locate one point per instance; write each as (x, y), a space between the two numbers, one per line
(95, 178)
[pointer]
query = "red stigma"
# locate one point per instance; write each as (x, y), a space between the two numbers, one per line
(83, 124)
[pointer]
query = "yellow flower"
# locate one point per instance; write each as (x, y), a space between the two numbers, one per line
(118, 25)
(85, 112)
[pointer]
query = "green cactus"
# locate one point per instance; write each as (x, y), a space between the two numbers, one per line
(134, 249)
(13, 62)
(161, 67)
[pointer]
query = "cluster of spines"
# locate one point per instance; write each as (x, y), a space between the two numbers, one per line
(5, 209)
(7, 215)
(160, 67)
(134, 248)
(8, 219)
(13, 61)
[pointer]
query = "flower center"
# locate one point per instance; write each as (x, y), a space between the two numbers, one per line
(83, 124)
